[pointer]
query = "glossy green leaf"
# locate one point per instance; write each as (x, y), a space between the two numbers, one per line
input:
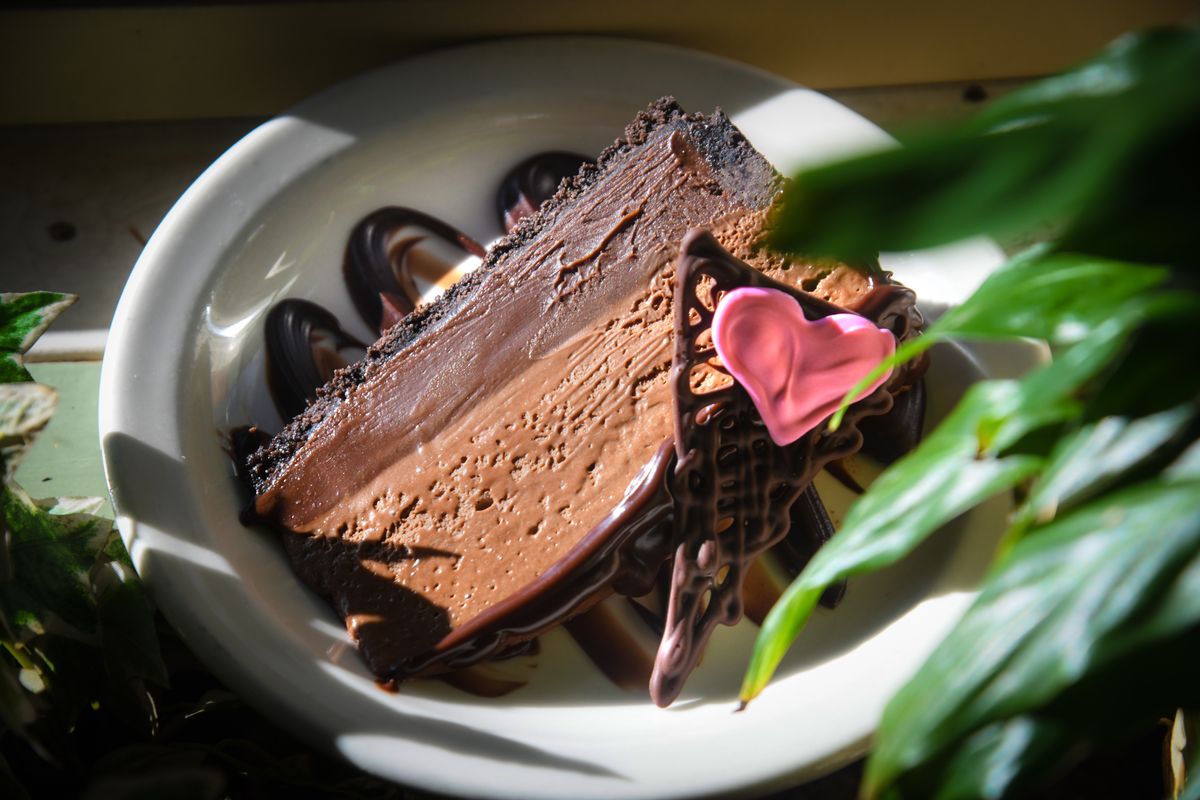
(1148, 211)
(1100, 455)
(1117, 577)
(1065, 299)
(941, 479)
(990, 761)
(1104, 153)
(1186, 466)
(1065, 149)
(23, 318)
(1058, 297)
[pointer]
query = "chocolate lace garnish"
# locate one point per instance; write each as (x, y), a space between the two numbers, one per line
(394, 248)
(304, 348)
(733, 486)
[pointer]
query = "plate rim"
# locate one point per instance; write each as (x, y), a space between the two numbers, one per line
(123, 348)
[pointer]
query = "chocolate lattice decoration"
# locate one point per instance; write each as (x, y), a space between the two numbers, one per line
(733, 486)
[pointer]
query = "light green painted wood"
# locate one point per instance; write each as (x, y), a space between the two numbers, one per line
(65, 459)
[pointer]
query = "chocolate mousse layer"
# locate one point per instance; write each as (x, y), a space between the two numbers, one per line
(495, 464)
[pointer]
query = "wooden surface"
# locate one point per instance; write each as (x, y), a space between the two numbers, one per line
(255, 59)
(65, 459)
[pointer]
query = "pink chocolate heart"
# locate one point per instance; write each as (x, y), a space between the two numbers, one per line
(796, 371)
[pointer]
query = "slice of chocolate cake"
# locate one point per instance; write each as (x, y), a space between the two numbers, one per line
(498, 462)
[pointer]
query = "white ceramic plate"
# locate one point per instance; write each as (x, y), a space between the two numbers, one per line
(269, 219)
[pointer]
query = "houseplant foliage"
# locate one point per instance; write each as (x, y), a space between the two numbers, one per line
(1089, 618)
(98, 697)
(74, 623)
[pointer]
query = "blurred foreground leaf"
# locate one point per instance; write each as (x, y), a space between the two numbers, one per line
(1118, 576)
(990, 442)
(85, 705)
(1105, 149)
(25, 408)
(1062, 298)
(1088, 625)
(77, 631)
(51, 555)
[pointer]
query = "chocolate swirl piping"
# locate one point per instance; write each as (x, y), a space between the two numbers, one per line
(304, 343)
(533, 182)
(385, 255)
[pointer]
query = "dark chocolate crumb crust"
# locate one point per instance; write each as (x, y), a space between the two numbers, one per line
(749, 176)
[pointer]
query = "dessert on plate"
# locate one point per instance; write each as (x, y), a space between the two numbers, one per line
(586, 414)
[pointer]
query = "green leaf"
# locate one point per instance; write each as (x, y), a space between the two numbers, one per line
(127, 621)
(1081, 602)
(129, 642)
(1065, 149)
(1141, 217)
(23, 318)
(990, 760)
(1187, 466)
(1098, 630)
(51, 555)
(25, 408)
(941, 479)
(1063, 297)
(1102, 454)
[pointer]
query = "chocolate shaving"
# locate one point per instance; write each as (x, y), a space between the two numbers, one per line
(733, 486)
(889, 438)
(811, 528)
